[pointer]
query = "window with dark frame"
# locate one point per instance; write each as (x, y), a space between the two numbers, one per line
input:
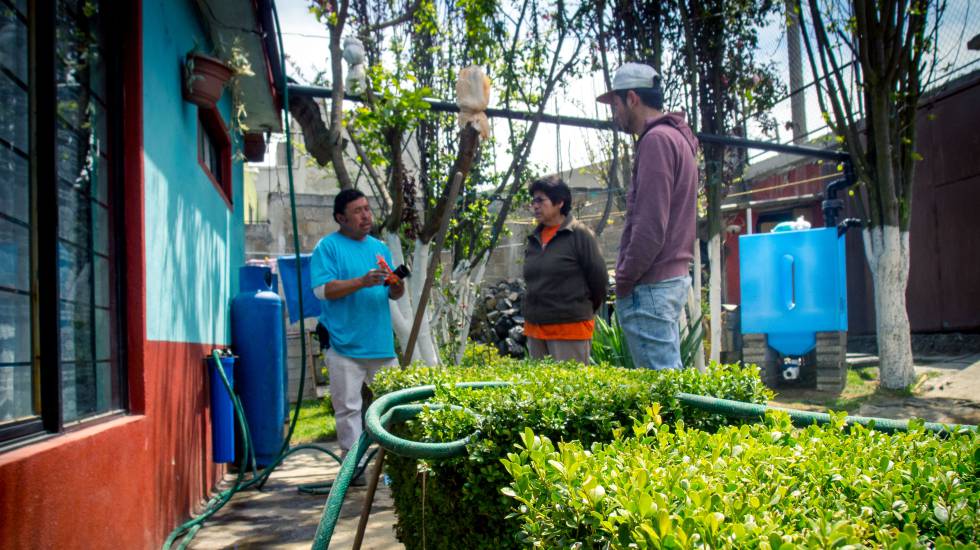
(61, 355)
(214, 151)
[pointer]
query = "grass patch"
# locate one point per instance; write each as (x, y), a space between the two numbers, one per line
(862, 385)
(316, 422)
(857, 376)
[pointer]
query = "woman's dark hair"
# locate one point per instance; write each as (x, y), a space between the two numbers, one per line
(556, 190)
(342, 199)
(651, 97)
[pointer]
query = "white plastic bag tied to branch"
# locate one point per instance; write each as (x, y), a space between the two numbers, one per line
(354, 56)
(473, 96)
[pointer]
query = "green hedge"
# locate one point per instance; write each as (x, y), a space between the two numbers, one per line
(458, 502)
(767, 485)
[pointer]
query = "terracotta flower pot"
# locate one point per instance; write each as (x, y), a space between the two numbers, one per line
(204, 79)
(253, 147)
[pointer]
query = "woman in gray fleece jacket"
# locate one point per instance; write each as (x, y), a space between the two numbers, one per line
(565, 274)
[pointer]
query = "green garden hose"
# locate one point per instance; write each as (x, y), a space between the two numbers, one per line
(190, 528)
(727, 407)
(388, 409)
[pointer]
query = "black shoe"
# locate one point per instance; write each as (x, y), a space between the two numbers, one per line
(359, 481)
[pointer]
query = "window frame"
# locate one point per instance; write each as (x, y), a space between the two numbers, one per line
(210, 124)
(43, 182)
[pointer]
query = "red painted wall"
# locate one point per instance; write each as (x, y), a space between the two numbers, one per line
(127, 482)
(124, 483)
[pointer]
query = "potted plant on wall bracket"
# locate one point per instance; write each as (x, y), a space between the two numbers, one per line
(253, 146)
(204, 78)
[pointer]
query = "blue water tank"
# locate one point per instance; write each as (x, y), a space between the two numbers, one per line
(257, 335)
(794, 284)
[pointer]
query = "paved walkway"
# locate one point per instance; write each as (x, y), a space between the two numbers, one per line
(280, 517)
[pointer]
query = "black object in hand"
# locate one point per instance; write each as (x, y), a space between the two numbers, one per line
(402, 272)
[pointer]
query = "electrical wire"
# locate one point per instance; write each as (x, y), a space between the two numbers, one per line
(782, 185)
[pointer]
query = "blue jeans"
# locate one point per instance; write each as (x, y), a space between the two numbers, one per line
(649, 316)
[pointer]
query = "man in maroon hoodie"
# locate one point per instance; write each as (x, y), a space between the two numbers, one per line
(656, 249)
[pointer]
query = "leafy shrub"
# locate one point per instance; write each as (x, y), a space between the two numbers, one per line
(477, 353)
(458, 502)
(766, 485)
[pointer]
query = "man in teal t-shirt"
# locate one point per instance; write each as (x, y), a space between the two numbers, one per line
(345, 276)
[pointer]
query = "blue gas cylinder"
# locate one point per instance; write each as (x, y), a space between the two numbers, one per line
(257, 335)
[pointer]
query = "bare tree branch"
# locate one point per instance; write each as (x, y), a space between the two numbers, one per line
(403, 18)
(377, 184)
(306, 111)
(517, 166)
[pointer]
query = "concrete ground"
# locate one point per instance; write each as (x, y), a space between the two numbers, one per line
(950, 394)
(280, 517)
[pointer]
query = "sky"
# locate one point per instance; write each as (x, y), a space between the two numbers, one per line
(563, 148)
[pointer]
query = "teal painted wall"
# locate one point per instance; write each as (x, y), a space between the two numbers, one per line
(194, 242)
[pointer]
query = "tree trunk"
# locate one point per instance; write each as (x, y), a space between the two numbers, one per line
(425, 342)
(696, 308)
(714, 157)
(316, 137)
(795, 59)
(469, 294)
(887, 251)
(714, 295)
(403, 309)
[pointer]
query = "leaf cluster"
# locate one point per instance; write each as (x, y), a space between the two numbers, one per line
(766, 485)
(398, 106)
(609, 342)
(457, 502)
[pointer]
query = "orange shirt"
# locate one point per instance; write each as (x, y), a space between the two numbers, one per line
(576, 330)
(548, 232)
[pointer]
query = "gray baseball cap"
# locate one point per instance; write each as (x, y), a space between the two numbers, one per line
(628, 77)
